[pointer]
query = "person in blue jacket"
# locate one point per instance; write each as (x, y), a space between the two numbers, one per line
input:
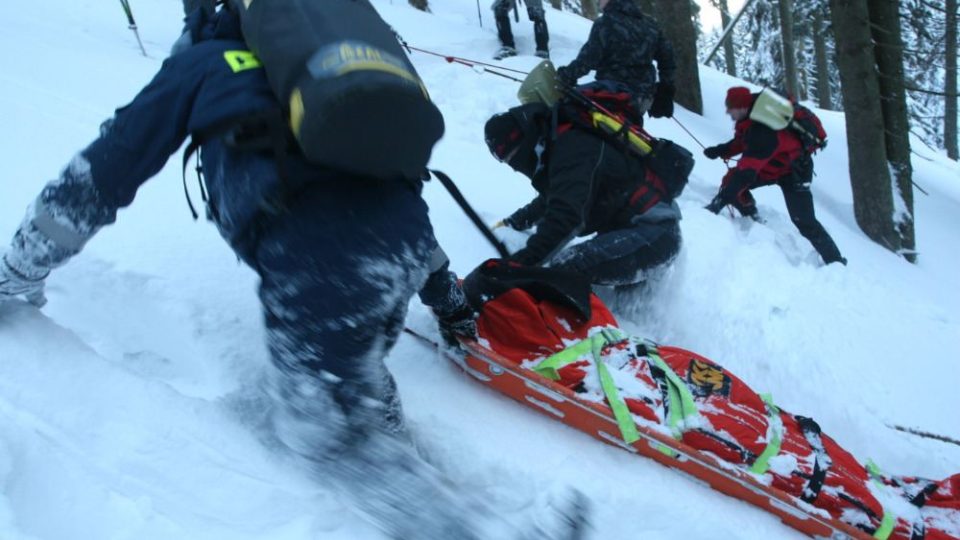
(338, 259)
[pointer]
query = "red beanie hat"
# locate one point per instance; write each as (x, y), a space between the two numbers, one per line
(739, 97)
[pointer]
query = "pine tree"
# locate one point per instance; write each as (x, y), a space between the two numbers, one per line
(888, 50)
(873, 205)
(950, 84)
(789, 54)
(729, 55)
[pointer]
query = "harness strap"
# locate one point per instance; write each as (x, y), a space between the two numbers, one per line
(821, 459)
(549, 366)
(774, 437)
(594, 345)
(889, 519)
(680, 404)
(188, 152)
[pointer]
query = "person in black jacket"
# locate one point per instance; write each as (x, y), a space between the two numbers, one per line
(622, 47)
(585, 185)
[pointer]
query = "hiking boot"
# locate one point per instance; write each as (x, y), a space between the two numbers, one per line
(542, 53)
(505, 52)
(716, 205)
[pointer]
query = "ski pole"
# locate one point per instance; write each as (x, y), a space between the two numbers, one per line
(479, 16)
(132, 23)
(471, 213)
(692, 136)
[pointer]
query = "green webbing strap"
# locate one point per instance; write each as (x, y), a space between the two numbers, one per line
(774, 428)
(680, 398)
(889, 519)
(628, 428)
(594, 345)
(549, 366)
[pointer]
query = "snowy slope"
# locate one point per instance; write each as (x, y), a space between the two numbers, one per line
(128, 406)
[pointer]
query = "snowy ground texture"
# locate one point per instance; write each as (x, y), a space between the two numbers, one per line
(126, 408)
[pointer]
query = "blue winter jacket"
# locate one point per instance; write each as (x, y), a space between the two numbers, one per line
(198, 88)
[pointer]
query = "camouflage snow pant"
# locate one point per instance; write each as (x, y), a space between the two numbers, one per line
(337, 272)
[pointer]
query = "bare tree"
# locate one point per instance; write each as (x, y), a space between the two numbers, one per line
(888, 49)
(789, 51)
(950, 86)
(676, 21)
(866, 145)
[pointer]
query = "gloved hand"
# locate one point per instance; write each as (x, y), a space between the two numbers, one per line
(14, 283)
(662, 105)
(713, 152)
(505, 222)
(565, 79)
(460, 323)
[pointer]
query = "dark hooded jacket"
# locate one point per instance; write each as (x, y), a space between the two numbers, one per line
(584, 185)
(622, 46)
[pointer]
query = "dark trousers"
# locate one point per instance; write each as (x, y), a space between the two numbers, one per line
(800, 207)
(623, 256)
(735, 190)
(501, 14)
(338, 266)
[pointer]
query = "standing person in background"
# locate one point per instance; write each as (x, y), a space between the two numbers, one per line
(501, 13)
(769, 157)
(622, 47)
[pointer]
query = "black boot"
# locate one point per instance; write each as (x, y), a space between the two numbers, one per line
(504, 32)
(716, 205)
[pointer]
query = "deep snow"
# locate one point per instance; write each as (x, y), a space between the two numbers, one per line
(127, 407)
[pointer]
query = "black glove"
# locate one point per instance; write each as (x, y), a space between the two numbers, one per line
(461, 323)
(713, 152)
(662, 105)
(565, 79)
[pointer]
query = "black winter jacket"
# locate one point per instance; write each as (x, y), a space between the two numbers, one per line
(622, 46)
(584, 186)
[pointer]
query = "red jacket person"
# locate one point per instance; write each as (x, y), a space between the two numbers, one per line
(768, 157)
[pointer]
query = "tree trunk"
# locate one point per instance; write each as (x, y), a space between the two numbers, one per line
(789, 52)
(950, 88)
(419, 4)
(824, 95)
(888, 49)
(589, 9)
(729, 57)
(557, 4)
(676, 21)
(866, 146)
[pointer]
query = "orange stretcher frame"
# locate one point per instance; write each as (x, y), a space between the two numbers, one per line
(597, 420)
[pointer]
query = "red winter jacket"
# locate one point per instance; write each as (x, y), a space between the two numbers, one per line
(767, 153)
